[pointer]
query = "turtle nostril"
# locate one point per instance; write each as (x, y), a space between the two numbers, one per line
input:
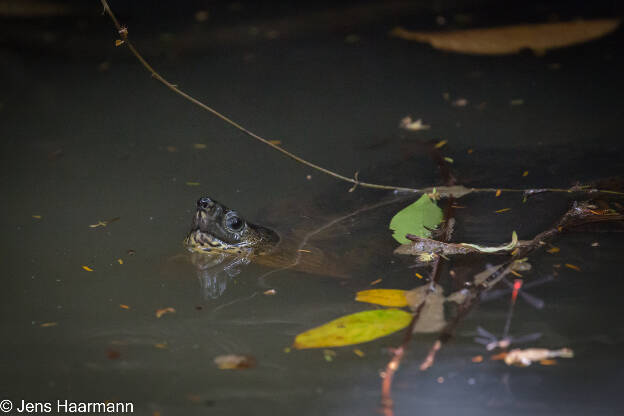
(204, 202)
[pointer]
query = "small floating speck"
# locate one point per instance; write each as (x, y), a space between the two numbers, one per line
(192, 184)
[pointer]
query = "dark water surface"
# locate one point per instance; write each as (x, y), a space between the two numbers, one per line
(81, 144)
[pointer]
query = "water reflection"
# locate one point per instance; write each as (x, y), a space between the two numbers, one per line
(214, 271)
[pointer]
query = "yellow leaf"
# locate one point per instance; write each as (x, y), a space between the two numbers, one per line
(192, 184)
(573, 267)
(354, 329)
(553, 250)
(440, 144)
(122, 306)
(119, 42)
(199, 146)
(418, 275)
(448, 159)
(503, 210)
(161, 312)
(374, 282)
(87, 268)
(498, 192)
(120, 261)
(275, 142)
(359, 353)
(525, 173)
(384, 297)
(37, 217)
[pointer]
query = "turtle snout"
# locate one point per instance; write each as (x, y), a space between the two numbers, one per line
(205, 203)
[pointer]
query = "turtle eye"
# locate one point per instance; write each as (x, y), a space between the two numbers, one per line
(234, 222)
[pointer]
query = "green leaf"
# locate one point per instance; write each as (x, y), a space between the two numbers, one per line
(354, 329)
(414, 218)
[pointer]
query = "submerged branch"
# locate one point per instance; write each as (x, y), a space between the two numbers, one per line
(580, 213)
(446, 233)
(456, 191)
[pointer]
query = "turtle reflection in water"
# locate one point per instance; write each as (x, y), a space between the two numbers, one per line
(221, 242)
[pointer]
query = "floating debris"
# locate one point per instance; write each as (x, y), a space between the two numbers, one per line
(37, 217)
(199, 146)
(525, 358)
(270, 292)
(87, 268)
(104, 223)
(329, 355)
(573, 267)
(500, 211)
(235, 362)
(460, 102)
(553, 250)
(161, 312)
(48, 324)
(408, 124)
(359, 352)
(440, 144)
(122, 306)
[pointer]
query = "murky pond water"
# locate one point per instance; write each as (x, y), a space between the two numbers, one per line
(81, 145)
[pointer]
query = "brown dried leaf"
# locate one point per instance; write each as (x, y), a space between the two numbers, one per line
(512, 39)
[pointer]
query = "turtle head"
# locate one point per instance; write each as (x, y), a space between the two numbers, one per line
(217, 229)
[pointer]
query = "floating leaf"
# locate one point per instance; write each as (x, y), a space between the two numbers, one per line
(507, 247)
(512, 39)
(87, 268)
(573, 267)
(354, 329)
(359, 353)
(161, 312)
(417, 218)
(384, 297)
